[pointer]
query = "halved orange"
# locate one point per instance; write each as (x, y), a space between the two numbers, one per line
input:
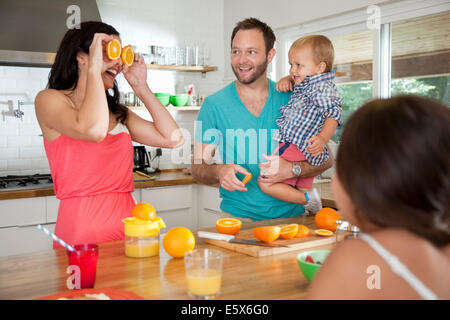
(247, 178)
(127, 55)
(267, 234)
(228, 225)
(113, 49)
(303, 231)
(289, 231)
(143, 211)
(324, 233)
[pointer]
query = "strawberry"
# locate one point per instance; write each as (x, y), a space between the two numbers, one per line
(309, 259)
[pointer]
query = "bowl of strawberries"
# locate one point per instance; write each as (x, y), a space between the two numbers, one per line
(310, 261)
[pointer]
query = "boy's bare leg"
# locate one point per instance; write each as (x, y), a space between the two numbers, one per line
(283, 192)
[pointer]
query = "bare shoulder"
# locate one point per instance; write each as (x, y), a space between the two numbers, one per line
(50, 98)
(353, 270)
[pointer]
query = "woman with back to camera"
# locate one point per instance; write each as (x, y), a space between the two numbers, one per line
(88, 134)
(393, 181)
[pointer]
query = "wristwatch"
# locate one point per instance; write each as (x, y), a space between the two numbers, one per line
(296, 170)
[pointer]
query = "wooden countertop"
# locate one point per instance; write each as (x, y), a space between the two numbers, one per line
(170, 177)
(29, 276)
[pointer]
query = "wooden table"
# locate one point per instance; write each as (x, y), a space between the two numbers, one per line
(28, 276)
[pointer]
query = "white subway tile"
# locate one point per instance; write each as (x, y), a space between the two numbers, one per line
(3, 166)
(16, 72)
(7, 86)
(39, 73)
(36, 141)
(9, 153)
(30, 129)
(18, 141)
(17, 164)
(3, 141)
(9, 128)
(31, 152)
(41, 164)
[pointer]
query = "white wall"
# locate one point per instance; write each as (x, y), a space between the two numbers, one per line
(282, 13)
(142, 23)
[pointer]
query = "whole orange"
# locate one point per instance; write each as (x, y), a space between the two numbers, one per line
(326, 219)
(143, 211)
(177, 241)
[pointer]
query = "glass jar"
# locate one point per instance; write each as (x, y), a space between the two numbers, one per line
(353, 233)
(142, 247)
(142, 237)
(341, 230)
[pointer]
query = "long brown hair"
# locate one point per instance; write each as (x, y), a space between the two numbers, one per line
(394, 163)
(64, 72)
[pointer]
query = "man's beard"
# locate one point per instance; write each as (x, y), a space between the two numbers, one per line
(259, 70)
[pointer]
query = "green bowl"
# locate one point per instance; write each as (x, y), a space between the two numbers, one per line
(163, 98)
(309, 269)
(179, 100)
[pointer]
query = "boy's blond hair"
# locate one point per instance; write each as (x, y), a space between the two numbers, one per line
(322, 48)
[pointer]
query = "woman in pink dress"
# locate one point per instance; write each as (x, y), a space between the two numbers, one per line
(88, 134)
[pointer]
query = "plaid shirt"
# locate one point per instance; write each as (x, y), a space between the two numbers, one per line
(314, 100)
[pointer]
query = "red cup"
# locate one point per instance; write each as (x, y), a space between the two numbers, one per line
(85, 257)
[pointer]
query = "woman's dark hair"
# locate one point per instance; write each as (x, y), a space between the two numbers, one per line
(253, 23)
(394, 163)
(64, 72)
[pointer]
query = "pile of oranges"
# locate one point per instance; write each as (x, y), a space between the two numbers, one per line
(325, 221)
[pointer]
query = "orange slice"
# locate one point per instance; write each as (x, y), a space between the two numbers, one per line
(267, 234)
(127, 55)
(324, 233)
(289, 231)
(113, 49)
(228, 225)
(303, 231)
(143, 211)
(247, 178)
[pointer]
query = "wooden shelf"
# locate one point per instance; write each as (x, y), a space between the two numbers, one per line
(185, 108)
(202, 69)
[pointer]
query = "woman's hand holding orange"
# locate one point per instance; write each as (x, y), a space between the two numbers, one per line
(136, 75)
(96, 60)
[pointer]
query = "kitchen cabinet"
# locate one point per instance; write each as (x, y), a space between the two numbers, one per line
(208, 199)
(173, 204)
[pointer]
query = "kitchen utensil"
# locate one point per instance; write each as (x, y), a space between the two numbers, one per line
(309, 269)
(141, 160)
(179, 100)
(142, 237)
(233, 239)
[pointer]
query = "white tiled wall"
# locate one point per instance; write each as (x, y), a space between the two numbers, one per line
(142, 23)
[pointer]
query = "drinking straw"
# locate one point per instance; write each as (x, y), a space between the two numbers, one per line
(51, 234)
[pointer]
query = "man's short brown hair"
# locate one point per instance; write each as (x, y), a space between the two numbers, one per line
(253, 23)
(322, 48)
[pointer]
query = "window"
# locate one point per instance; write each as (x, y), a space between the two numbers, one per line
(421, 57)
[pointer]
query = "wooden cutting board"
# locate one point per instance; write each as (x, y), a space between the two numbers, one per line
(259, 251)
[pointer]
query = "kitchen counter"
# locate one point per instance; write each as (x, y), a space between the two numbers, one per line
(171, 177)
(29, 276)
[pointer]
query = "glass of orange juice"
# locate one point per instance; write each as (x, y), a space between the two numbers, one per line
(203, 273)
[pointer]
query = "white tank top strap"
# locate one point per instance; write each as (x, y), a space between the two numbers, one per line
(399, 268)
(119, 128)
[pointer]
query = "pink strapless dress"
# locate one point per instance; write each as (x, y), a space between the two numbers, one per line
(93, 182)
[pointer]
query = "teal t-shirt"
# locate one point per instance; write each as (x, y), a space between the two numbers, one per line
(242, 139)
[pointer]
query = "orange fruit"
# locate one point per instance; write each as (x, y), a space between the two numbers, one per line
(143, 211)
(289, 231)
(177, 241)
(127, 55)
(247, 178)
(303, 231)
(324, 233)
(267, 234)
(228, 225)
(113, 49)
(326, 219)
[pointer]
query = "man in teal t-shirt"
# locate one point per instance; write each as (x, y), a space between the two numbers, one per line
(240, 121)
